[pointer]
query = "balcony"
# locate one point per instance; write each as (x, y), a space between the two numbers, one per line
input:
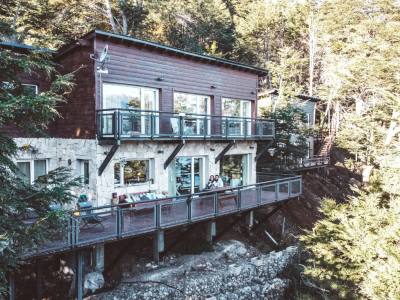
(132, 124)
(122, 221)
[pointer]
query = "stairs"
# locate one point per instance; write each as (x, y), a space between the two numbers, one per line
(326, 147)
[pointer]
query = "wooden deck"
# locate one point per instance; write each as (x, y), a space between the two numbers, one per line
(116, 222)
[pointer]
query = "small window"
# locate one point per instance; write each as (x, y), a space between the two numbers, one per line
(27, 88)
(132, 172)
(83, 170)
(32, 170)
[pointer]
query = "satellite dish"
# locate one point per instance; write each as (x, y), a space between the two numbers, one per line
(103, 54)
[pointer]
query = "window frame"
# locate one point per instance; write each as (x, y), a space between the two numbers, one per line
(81, 170)
(32, 167)
(25, 84)
(122, 163)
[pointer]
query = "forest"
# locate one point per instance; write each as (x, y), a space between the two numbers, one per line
(346, 52)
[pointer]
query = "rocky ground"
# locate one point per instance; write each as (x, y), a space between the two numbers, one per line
(233, 270)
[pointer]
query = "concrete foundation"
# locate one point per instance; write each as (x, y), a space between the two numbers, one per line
(211, 231)
(158, 244)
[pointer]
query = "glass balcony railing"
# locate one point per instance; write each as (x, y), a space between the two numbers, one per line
(140, 124)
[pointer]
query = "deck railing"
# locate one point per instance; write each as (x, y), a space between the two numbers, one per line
(106, 223)
(133, 124)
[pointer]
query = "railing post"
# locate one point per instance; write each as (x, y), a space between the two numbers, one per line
(277, 191)
(258, 193)
(180, 126)
(205, 127)
(119, 220)
(115, 125)
(239, 204)
(189, 208)
(226, 127)
(289, 188)
(215, 197)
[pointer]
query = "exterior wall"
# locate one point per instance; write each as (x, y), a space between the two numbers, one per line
(61, 152)
(149, 150)
(78, 115)
(129, 64)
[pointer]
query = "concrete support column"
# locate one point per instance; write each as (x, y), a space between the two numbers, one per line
(79, 275)
(11, 287)
(250, 219)
(158, 244)
(211, 231)
(99, 257)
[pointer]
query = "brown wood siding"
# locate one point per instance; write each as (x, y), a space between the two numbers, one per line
(129, 64)
(79, 113)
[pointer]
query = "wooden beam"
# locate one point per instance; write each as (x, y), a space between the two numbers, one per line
(223, 152)
(173, 154)
(108, 158)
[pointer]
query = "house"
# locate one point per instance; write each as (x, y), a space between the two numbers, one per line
(145, 127)
(317, 153)
(151, 118)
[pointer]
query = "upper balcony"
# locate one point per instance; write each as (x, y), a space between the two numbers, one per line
(134, 124)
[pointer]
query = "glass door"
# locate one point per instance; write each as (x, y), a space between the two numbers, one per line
(187, 175)
(149, 104)
(240, 111)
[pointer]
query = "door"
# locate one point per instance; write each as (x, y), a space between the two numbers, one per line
(187, 175)
(237, 116)
(149, 104)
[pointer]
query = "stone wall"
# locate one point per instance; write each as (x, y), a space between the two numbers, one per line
(61, 152)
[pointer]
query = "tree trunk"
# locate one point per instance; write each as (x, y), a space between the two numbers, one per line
(110, 16)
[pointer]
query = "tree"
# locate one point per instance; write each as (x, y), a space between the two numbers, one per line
(18, 198)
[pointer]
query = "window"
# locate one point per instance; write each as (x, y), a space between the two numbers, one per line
(195, 105)
(27, 88)
(132, 172)
(133, 123)
(234, 170)
(238, 109)
(83, 170)
(129, 97)
(32, 170)
(186, 175)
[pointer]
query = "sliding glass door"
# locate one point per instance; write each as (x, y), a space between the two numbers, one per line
(198, 107)
(240, 111)
(234, 170)
(139, 100)
(186, 175)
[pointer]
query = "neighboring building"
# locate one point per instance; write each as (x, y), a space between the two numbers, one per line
(316, 155)
(149, 118)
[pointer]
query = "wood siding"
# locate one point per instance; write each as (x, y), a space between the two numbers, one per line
(78, 115)
(130, 64)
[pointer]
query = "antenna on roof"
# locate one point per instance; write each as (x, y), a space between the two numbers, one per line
(101, 59)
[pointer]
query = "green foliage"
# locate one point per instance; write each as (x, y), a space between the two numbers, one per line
(19, 199)
(290, 141)
(355, 247)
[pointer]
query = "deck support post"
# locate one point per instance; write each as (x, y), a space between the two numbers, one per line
(250, 219)
(11, 287)
(79, 275)
(211, 231)
(158, 244)
(99, 257)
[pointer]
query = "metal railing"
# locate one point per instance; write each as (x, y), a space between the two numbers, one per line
(127, 124)
(106, 223)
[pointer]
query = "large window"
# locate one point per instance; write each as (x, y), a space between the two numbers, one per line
(123, 96)
(236, 108)
(198, 106)
(240, 111)
(132, 172)
(234, 170)
(186, 175)
(128, 96)
(31, 170)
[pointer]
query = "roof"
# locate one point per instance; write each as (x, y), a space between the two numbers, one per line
(164, 48)
(14, 45)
